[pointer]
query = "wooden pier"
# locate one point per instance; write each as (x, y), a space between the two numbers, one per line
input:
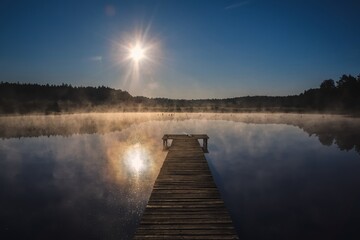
(185, 203)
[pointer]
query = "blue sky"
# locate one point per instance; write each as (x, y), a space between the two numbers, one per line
(200, 49)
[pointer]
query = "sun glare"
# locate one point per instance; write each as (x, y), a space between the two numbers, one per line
(139, 57)
(137, 53)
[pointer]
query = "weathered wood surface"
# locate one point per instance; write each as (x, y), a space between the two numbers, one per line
(185, 203)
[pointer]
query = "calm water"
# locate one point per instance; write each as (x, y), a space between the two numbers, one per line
(90, 176)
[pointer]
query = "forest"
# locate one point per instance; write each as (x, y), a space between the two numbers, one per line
(342, 96)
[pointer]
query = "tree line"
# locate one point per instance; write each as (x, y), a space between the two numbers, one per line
(35, 98)
(342, 94)
(18, 98)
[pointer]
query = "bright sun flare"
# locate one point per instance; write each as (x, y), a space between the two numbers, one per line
(137, 53)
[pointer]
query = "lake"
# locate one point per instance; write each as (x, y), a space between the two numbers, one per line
(89, 176)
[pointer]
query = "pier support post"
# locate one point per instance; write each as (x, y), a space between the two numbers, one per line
(165, 146)
(165, 143)
(205, 145)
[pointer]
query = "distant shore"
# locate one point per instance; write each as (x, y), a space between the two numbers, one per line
(342, 97)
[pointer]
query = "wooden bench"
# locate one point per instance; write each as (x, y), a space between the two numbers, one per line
(167, 137)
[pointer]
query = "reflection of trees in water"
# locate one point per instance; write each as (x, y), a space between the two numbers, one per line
(342, 131)
(346, 137)
(330, 129)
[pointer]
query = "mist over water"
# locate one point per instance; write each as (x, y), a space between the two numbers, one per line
(89, 176)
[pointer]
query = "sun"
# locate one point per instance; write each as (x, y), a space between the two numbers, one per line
(137, 53)
(139, 57)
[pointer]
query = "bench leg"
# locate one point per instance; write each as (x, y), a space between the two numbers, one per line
(205, 145)
(165, 146)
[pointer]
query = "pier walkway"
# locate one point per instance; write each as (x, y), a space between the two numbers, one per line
(185, 202)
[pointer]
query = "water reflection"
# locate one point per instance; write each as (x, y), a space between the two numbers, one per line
(136, 158)
(330, 129)
(277, 179)
(133, 155)
(279, 183)
(72, 187)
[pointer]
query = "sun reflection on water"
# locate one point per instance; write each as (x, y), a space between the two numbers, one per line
(136, 158)
(134, 161)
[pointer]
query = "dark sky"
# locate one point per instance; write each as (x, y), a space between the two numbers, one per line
(194, 49)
